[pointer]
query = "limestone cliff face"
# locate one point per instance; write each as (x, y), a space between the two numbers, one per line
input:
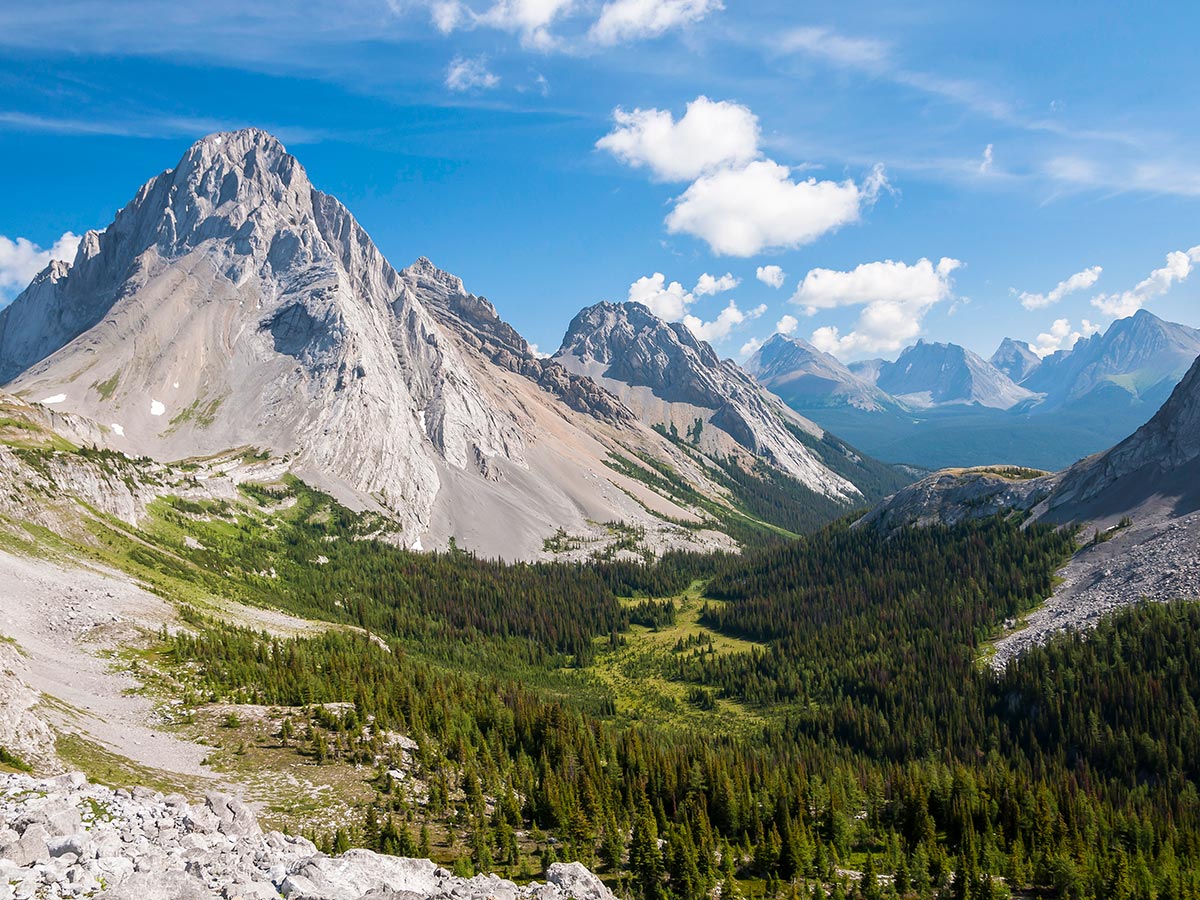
(672, 379)
(477, 323)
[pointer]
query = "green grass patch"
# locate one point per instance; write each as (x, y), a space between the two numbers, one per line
(13, 763)
(106, 388)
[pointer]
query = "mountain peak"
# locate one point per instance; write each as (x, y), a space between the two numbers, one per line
(673, 380)
(803, 375)
(604, 332)
(1015, 359)
(939, 374)
(431, 278)
(1141, 356)
(235, 146)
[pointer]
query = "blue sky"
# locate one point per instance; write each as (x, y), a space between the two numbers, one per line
(912, 171)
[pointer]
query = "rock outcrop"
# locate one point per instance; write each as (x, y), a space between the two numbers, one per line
(952, 496)
(24, 734)
(64, 837)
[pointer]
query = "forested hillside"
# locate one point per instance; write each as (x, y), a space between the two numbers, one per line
(837, 730)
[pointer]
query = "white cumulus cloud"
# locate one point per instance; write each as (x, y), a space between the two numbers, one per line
(719, 328)
(895, 297)
(1078, 282)
(739, 202)
(672, 302)
(710, 134)
(21, 259)
(465, 74)
(743, 211)
(667, 301)
(787, 324)
(749, 348)
(1178, 268)
(772, 276)
(1062, 336)
(709, 284)
(623, 20)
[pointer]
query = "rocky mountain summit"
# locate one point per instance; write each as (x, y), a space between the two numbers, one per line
(64, 837)
(231, 303)
(673, 380)
(800, 374)
(1015, 359)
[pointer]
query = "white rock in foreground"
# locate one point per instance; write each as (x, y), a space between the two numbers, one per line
(64, 837)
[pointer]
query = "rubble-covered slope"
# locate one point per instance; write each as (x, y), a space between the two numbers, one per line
(64, 837)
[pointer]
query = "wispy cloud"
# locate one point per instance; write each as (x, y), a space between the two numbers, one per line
(466, 74)
(150, 127)
(1080, 281)
(1179, 266)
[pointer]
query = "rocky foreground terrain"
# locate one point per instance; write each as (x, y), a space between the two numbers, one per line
(65, 837)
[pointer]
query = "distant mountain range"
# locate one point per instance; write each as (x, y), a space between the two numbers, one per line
(942, 405)
(233, 305)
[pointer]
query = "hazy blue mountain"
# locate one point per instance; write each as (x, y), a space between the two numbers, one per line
(1015, 359)
(949, 410)
(933, 374)
(798, 372)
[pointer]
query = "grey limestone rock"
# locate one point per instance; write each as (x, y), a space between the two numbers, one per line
(227, 857)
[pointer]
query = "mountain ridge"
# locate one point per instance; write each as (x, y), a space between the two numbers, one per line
(1071, 404)
(675, 381)
(232, 304)
(793, 368)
